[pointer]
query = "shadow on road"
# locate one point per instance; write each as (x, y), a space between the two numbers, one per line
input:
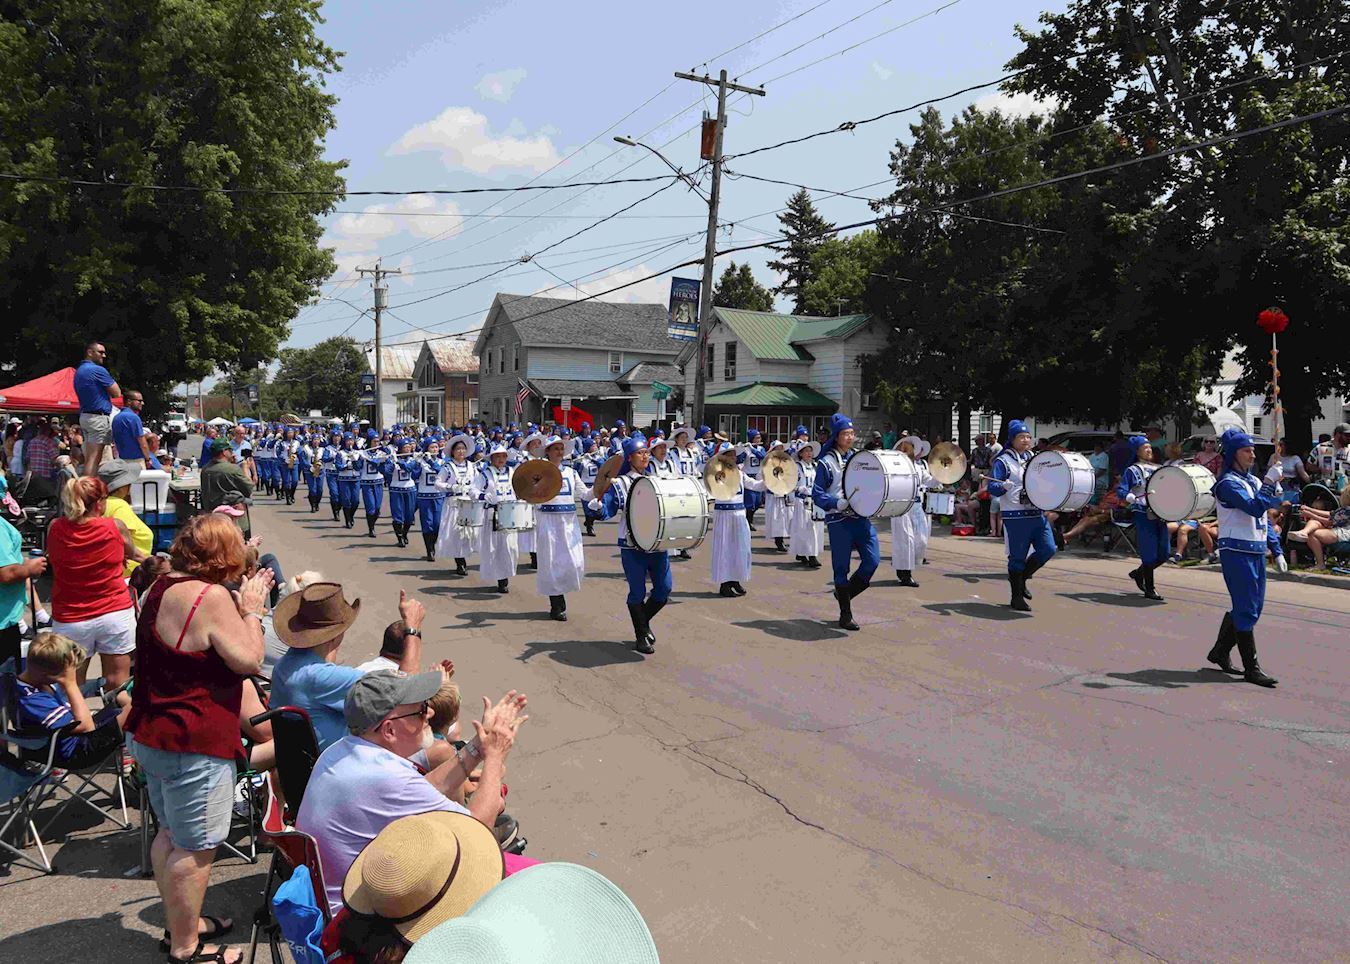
(477, 620)
(1126, 600)
(583, 654)
(92, 938)
(802, 630)
(468, 593)
(974, 577)
(1172, 679)
(979, 610)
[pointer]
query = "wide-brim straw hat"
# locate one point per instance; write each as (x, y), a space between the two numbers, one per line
(315, 615)
(423, 870)
(553, 913)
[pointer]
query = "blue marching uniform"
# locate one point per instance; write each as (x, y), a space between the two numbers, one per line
(1026, 532)
(374, 464)
(1244, 539)
(330, 475)
(639, 567)
(751, 461)
(587, 467)
(348, 462)
(430, 501)
(1150, 532)
(290, 474)
(312, 467)
(849, 532)
(402, 495)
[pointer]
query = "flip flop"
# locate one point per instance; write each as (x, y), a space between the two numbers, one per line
(215, 930)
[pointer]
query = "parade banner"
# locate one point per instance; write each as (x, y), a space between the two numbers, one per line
(367, 390)
(683, 323)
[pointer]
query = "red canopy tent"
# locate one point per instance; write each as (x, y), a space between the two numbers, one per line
(50, 393)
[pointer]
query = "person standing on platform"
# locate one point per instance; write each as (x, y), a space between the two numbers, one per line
(1025, 528)
(849, 532)
(96, 389)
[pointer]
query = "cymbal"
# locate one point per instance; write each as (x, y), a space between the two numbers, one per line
(536, 481)
(722, 477)
(609, 470)
(947, 463)
(781, 473)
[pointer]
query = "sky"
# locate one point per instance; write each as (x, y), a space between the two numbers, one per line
(448, 95)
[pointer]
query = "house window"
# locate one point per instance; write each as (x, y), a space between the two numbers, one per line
(501, 361)
(515, 357)
(986, 424)
(1258, 423)
(615, 362)
(473, 408)
(780, 429)
(472, 378)
(729, 361)
(711, 373)
(756, 423)
(726, 425)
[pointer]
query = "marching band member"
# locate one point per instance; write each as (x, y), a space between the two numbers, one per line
(661, 464)
(687, 453)
(638, 566)
(374, 464)
(731, 536)
(799, 437)
(778, 513)
(1150, 532)
(587, 466)
(751, 461)
(430, 498)
(909, 532)
(262, 457)
(348, 463)
(848, 530)
(402, 467)
(457, 540)
(807, 532)
(497, 549)
(329, 458)
(618, 437)
(289, 464)
(707, 443)
(562, 563)
(515, 452)
(525, 538)
(311, 466)
(1244, 538)
(1025, 529)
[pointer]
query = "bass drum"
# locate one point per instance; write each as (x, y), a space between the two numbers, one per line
(881, 483)
(667, 513)
(1059, 481)
(1177, 492)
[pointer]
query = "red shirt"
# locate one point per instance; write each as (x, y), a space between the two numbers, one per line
(86, 560)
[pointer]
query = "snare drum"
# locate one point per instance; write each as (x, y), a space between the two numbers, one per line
(512, 516)
(1177, 492)
(667, 513)
(1059, 481)
(469, 513)
(881, 483)
(940, 503)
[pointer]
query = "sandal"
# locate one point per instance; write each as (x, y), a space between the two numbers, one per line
(198, 955)
(215, 930)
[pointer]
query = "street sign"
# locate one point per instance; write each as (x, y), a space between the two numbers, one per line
(566, 404)
(661, 390)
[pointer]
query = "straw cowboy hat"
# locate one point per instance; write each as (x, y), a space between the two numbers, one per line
(421, 871)
(313, 616)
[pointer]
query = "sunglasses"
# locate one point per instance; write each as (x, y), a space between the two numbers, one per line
(420, 711)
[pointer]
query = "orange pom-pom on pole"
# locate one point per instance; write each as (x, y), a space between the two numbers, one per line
(1273, 321)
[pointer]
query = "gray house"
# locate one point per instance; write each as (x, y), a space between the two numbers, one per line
(609, 359)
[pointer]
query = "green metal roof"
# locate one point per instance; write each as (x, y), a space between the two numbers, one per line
(771, 336)
(771, 394)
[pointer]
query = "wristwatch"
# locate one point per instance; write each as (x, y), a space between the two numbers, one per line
(413, 632)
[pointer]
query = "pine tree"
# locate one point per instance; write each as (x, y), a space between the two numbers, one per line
(806, 231)
(737, 288)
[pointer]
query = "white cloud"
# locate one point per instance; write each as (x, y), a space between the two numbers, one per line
(355, 238)
(881, 70)
(500, 86)
(462, 138)
(1016, 105)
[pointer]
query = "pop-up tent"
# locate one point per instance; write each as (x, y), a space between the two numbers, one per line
(53, 393)
(249, 421)
(220, 421)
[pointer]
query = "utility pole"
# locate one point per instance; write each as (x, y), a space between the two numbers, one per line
(710, 247)
(381, 302)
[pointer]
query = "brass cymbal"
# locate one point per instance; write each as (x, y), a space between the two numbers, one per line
(781, 473)
(608, 471)
(722, 477)
(536, 481)
(947, 463)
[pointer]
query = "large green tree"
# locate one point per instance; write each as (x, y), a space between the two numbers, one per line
(326, 376)
(226, 94)
(804, 232)
(737, 288)
(841, 270)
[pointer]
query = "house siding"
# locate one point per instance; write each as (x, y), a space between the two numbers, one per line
(494, 389)
(585, 364)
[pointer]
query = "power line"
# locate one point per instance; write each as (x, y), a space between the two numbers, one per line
(762, 35)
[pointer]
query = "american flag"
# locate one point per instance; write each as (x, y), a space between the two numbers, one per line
(521, 395)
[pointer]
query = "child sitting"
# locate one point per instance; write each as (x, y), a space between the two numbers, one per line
(49, 699)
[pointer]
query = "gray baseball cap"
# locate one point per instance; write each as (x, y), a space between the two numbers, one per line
(375, 695)
(1343, 428)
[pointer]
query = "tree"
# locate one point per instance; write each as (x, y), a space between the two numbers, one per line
(737, 288)
(326, 376)
(805, 232)
(176, 283)
(841, 269)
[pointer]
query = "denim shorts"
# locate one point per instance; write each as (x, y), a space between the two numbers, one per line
(191, 794)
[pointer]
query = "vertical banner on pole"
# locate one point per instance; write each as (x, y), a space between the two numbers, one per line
(683, 323)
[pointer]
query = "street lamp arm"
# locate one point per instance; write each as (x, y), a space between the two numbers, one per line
(628, 141)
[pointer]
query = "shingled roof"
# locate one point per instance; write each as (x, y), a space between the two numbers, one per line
(562, 323)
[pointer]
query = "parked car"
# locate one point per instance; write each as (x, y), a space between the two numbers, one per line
(1085, 441)
(1265, 448)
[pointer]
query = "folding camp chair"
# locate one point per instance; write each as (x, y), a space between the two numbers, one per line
(291, 849)
(23, 788)
(1123, 524)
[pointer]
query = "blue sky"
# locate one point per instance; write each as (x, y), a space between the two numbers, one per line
(492, 94)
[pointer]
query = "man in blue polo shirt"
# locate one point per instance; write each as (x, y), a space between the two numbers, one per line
(128, 432)
(96, 390)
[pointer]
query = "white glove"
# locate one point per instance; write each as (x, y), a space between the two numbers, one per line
(1274, 474)
(593, 505)
(841, 505)
(1281, 564)
(1131, 498)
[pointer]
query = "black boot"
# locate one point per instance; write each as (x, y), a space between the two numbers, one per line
(750, 518)
(1149, 591)
(906, 578)
(1251, 668)
(589, 531)
(429, 540)
(503, 586)
(557, 608)
(1033, 566)
(726, 590)
(1139, 579)
(534, 560)
(337, 509)
(779, 545)
(1220, 655)
(813, 562)
(843, 594)
(684, 554)
(649, 609)
(461, 566)
(642, 638)
(740, 590)
(348, 517)
(1019, 601)
(370, 525)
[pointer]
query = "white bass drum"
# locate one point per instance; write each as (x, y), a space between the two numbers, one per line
(1059, 481)
(1177, 492)
(667, 513)
(881, 483)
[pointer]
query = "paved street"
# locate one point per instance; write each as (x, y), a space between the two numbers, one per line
(955, 782)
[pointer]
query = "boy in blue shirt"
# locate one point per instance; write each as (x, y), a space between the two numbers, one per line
(49, 698)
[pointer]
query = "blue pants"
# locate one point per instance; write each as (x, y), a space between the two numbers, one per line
(314, 483)
(846, 535)
(1245, 575)
(429, 511)
(1022, 534)
(290, 475)
(402, 505)
(372, 496)
(638, 566)
(1151, 534)
(753, 500)
(349, 493)
(332, 480)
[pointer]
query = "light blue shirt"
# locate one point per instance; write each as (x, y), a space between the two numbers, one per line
(303, 678)
(11, 594)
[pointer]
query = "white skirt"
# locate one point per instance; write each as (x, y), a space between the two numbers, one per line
(730, 546)
(562, 562)
(525, 540)
(777, 516)
(454, 540)
(497, 553)
(909, 539)
(807, 537)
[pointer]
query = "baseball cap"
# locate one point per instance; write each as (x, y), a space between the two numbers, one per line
(374, 696)
(1343, 428)
(219, 445)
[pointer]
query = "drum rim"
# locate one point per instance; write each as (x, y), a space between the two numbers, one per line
(886, 477)
(1197, 491)
(1073, 468)
(628, 511)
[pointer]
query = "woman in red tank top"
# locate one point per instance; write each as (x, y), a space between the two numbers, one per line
(195, 643)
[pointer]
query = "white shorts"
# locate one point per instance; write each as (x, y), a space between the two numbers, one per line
(113, 634)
